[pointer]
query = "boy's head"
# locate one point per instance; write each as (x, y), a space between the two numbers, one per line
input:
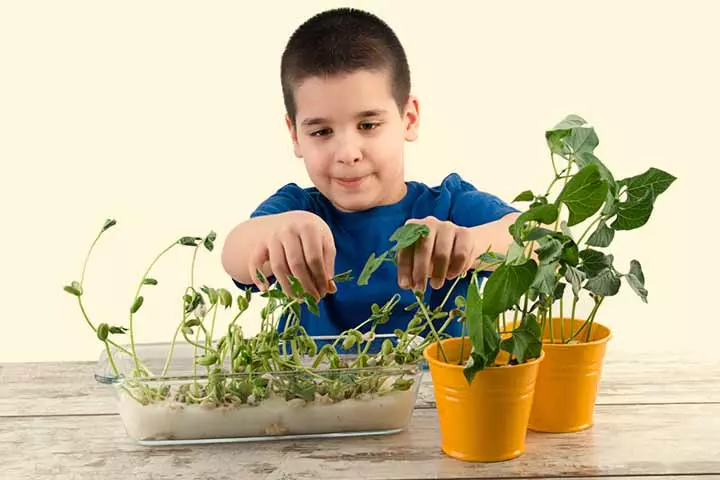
(346, 86)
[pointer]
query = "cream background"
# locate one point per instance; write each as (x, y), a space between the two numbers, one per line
(167, 116)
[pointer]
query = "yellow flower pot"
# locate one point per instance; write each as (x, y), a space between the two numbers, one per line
(568, 378)
(485, 421)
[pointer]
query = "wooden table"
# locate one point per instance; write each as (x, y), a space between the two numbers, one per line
(656, 417)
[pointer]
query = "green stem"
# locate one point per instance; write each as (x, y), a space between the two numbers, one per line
(462, 344)
(587, 230)
(110, 359)
(432, 327)
(137, 293)
(592, 317)
(562, 322)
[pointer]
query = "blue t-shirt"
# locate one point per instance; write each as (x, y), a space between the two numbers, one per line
(358, 234)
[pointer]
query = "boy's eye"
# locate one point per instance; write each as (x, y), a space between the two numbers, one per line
(321, 132)
(369, 125)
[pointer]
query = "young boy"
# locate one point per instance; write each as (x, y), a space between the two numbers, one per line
(346, 86)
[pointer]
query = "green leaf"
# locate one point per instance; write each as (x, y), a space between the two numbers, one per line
(537, 233)
(570, 254)
(654, 180)
(492, 257)
(242, 302)
(636, 279)
(371, 266)
(209, 241)
(633, 214)
(408, 234)
(137, 304)
(584, 194)
(605, 283)
(193, 322)
(189, 241)
(211, 293)
(602, 236)
(102, 331)
(506, 285)
(526, 196)
(545, 280)
(587, 158)
(525, 341)
(559, 290)
(149, 281)
(346, 276)
(260, 276)
(74, 288)
(515, 254)
(576, 277)
(474, 364)
(557, 137)
(296, 287)
(544, 214)
(593, 262)
(474, 309)
(225, 297)
(311, 304)
(117, 330)
(109, 223)
(549, 251)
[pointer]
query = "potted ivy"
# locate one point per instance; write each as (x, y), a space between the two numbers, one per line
(572, 232)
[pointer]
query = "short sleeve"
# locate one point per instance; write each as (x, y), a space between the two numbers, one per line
(288, 198)
(472, 207)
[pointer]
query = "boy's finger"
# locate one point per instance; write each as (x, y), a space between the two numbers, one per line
(329, 252)
(421, 261)
(312, 248)
(405, 265)
(279, 266)
(298, 267)
(442, 251)
(256, 263)
(461, 258)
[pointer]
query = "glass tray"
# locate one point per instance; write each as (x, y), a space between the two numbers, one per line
(191, 407)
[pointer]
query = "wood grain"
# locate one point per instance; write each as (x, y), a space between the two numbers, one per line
(69, 388)
(627, 440)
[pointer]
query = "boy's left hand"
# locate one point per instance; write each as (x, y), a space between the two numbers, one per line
(448, 251)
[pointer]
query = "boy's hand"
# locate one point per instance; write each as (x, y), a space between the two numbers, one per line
(448, 251)
(301, 246)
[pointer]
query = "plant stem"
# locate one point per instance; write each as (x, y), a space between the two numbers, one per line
(592, 317)
(137, 293)
(432, 327)
(462, 344)
(562, 322)
(587, 230)
(110, 359)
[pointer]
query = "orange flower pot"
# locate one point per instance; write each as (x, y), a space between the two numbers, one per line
(485, 421)
(568, 378)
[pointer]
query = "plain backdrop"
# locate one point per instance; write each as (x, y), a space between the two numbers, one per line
(168, 117)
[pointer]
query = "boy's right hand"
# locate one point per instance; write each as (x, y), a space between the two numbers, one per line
(302, 245)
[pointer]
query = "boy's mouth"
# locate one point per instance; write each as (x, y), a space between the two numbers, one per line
(350, 182)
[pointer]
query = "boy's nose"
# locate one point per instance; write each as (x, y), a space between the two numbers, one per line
(348, 151)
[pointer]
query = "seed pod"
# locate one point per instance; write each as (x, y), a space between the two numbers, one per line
(102, 331)
(207, 360)
(387, 347)
(349, 341)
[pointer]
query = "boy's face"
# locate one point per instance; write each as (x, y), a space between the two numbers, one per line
(350, 133)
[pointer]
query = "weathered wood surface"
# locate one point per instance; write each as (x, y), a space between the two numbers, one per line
(627, 440)
(69, 388)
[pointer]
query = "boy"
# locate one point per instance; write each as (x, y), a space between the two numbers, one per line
(346, 86)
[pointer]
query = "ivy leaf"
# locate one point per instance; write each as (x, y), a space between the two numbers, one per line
(602, 236)
(526, 196)
(506, 285)
(605, 283)
(584, 194)
(545, 214)
(545, 279)
(525, 341)
(636, 279)
(576, 277)
(593, 262)
(408, 234)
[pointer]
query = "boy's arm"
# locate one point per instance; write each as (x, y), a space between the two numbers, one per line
(494, 236)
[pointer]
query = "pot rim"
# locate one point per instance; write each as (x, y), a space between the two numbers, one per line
(452, 366)
(599, 341)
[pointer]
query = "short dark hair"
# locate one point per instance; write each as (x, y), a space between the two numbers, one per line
(343, 40)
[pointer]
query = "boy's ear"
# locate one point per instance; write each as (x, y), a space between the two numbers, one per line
(412, 118)
(293, 136)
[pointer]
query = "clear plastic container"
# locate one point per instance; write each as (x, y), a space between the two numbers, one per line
(275, 405)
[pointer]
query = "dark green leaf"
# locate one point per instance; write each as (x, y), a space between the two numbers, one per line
(408, 234)
(526, 340)
(602, 236)
(587, 158)
(654, 181)
(189, 241)
(137, 304)
(559, 290)
(209, 241)
(545, 279)
(117, 330)
(474, 364)
(605, 283)
(515, 254)
(570, 254)
(544, 214)
(593, 262)
(492, 257)
(506, 285)
(525, 196)
(576, 277)
(556, 137)
(584, 194)
(297, 288)
(102, 331)
(549, 251)
(74, 288)
(193, 322)
(260, 276)
(537, 233)
(475, 320)
(633, 214)
(149, 281)
(108, 223)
